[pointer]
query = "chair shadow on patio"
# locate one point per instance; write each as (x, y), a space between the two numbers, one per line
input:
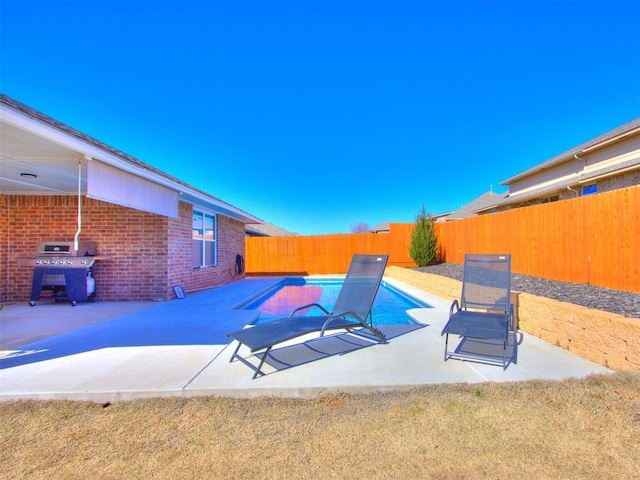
(328, 346)
(488, 351)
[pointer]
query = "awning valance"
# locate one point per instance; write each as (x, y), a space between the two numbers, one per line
(112, 185)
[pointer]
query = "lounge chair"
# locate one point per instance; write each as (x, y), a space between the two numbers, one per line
(350, 313)
(485, 312)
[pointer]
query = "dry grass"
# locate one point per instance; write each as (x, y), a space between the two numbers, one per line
(573, 429)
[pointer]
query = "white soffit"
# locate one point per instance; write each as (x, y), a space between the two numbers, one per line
(89, 151)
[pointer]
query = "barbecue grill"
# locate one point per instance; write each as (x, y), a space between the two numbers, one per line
(62, 273)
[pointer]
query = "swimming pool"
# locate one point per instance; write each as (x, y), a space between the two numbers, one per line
(389, 307)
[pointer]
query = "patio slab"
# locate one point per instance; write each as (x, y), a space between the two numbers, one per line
(178, 348)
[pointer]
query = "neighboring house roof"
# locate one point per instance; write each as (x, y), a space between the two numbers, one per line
(382, 227)
(39, 132)
(267, 230)
(385, 227)
(551, 186)
(628, 128)
(484, 201)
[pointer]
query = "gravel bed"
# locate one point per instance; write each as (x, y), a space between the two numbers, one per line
(616, 301)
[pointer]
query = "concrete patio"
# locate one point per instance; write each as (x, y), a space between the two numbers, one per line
(108, 351)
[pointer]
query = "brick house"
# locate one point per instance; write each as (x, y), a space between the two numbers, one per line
(608, 162)
(58, 184)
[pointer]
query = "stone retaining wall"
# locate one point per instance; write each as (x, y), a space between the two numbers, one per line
(606, 338)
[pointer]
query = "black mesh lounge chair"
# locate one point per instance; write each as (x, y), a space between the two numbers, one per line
(350, 312)
(485, 311)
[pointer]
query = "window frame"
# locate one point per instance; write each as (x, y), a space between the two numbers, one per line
(203, 240)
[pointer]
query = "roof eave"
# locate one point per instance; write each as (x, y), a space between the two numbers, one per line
(46, 127)
(617, 134)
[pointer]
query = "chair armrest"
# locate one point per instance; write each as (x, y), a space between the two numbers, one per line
(310, 305)
(340, 316)
(346, 314)
(457, 307)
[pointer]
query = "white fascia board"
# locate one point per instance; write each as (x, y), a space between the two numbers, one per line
(198, 199)
(83, 148)
(90, 152)
(570, 154)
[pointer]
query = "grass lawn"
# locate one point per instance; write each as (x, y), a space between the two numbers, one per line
(572, 429)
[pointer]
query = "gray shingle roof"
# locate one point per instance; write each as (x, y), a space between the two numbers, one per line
(483, 202)
(267, 230)
(52, 122)
(381, 227)
(616, 132)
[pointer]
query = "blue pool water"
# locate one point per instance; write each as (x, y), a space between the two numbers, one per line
(389, 307)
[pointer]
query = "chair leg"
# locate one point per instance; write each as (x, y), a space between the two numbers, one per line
(504, 354)
(378, 334)
(235, 353)
(262, 360)
(446, 346)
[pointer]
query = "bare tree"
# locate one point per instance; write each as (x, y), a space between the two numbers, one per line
(361, 227)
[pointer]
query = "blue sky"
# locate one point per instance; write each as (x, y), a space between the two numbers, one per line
(318, 115)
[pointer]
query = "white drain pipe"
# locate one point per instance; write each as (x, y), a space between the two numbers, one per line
(76, 241)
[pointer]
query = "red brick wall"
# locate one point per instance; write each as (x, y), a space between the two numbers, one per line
(147, 253)
(231, 240)
(181, 272)
(136, 244)
(179, 253)
(4, 272)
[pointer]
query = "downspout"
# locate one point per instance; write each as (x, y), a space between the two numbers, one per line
(574, 191)
(76, 241)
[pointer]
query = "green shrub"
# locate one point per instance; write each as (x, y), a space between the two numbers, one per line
(424, 242)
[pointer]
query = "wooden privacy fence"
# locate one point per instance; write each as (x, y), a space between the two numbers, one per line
(318, 254)
(593, 239)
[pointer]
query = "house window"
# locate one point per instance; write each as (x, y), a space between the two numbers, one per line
(552, 198)
(204, 235)
(589, 189)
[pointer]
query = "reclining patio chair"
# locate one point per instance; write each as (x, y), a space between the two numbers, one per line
(484, 314)
(350, 312)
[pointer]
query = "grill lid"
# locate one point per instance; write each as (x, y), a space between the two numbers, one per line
(85, 249)
(62, 255)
